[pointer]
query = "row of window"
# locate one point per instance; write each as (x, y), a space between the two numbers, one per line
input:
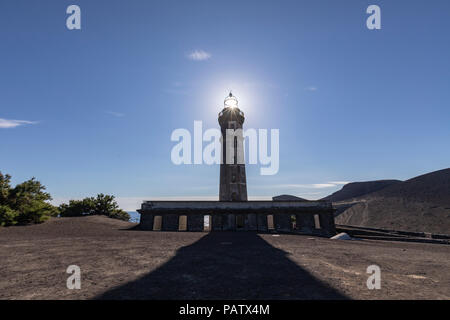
(240, 222)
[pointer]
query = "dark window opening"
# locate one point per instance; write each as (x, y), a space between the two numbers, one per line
(293, 222)
(240, 222)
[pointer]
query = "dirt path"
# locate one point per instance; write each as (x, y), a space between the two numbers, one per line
(118, 263)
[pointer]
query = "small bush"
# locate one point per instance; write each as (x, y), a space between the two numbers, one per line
(101, 205)
(8, 217)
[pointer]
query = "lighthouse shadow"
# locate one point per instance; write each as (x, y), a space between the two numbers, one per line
(227, 265)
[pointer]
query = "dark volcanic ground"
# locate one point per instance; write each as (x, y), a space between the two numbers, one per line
(117, 263)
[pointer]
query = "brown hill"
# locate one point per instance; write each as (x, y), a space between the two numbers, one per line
(358, 189)
(287, 197)
(432, 187)
(420, 204)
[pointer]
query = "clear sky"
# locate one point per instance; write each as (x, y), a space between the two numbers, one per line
(94, 108)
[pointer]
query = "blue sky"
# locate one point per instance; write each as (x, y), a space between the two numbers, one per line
(96, 106)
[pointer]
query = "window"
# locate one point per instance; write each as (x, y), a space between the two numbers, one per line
(293, 222)
(157, 223)
(270, 222)
(235, 150)
(207, 223)
(317, 221)
(182, 223)
(240, 222)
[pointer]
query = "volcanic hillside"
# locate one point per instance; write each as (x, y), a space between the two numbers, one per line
(420, 204)
(357, 189)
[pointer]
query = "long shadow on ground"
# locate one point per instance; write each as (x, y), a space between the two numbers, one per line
(227, 265)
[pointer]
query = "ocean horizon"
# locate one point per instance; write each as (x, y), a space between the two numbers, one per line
(134, 216)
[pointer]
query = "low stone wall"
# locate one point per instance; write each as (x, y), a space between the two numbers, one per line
(305, 219)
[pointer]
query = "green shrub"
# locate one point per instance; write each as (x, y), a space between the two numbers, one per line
(8, 217)
(101, 205)
(26, 203)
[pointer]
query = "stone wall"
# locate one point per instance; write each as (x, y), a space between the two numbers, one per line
(146, 222)
(195, 222)
(305, 222)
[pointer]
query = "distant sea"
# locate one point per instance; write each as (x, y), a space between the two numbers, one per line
(134, 216)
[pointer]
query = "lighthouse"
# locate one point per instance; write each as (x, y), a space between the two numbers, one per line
(233, 181)
(233, 211)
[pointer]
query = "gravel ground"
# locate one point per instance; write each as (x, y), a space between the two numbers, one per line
(118, 262)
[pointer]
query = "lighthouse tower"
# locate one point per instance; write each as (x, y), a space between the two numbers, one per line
(233, 181)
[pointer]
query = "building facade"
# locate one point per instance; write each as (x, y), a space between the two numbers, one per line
(304, 217)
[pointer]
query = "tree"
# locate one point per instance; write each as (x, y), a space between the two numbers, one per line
(26, 203)
(5, 187)
(77, 208)
(101, 205)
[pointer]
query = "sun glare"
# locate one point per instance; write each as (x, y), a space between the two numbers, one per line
(217, 94)
(230, 101)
